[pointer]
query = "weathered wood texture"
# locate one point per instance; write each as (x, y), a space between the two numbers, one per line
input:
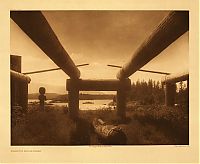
(170, 87)
(23, 101)
(73, 101)
(109, 134)
(76, 85)
(35, 25)
(171, 28)
(15, 63)
(19, 83)
(19, 76)
(174, 78)
(188, 97)
(99, 85)
(121, 103)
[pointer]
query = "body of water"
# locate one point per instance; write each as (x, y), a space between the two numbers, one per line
(83, 104)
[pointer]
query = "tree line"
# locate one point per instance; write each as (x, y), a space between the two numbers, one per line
(152, 92)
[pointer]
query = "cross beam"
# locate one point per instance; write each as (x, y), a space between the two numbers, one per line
(49, 70)
(99, 85)
(76, 85)
(35, 25)
(174, 78)
(142, 70)
(170, 86)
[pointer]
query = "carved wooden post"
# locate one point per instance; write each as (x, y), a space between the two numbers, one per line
(170, 92)
(42, 98)
(73, 98)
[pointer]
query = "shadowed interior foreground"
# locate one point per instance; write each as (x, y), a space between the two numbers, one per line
(146, 125)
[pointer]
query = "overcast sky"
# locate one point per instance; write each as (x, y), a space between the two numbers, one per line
(98, 38)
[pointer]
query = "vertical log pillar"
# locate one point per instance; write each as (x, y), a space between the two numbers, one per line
(188, 95)
(15, 64)
(121, 101)
(73, 98)
(170, 92)
(24, 95)
(19, 89)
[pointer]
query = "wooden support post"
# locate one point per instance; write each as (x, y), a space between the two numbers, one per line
(14, 92)
(24, 95)
(121, 103)
(188, 95)
(170, 92)
(19, 83)
(15, 64)
(73, 99)
(121, 100)
(75, 85)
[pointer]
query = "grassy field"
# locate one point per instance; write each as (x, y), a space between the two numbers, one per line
(145, 125)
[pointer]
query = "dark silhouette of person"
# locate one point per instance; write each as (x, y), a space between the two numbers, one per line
(42, 97)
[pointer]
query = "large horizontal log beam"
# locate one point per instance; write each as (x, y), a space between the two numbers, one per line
(171, 28)
(19, 76)
(34, 24)
(98, 85)
(174, 78)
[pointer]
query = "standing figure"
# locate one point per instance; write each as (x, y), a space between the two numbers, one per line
(42, 97)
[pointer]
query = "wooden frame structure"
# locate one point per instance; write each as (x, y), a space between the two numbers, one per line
(170, 86)
(35, 25)
(170, 29)
(37, 28)
(74, 86)
(19, 84)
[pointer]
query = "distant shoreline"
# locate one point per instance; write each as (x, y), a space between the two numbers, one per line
(64, 98)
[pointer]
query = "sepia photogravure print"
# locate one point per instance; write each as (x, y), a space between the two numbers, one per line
(99, 81)
(123, 86)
